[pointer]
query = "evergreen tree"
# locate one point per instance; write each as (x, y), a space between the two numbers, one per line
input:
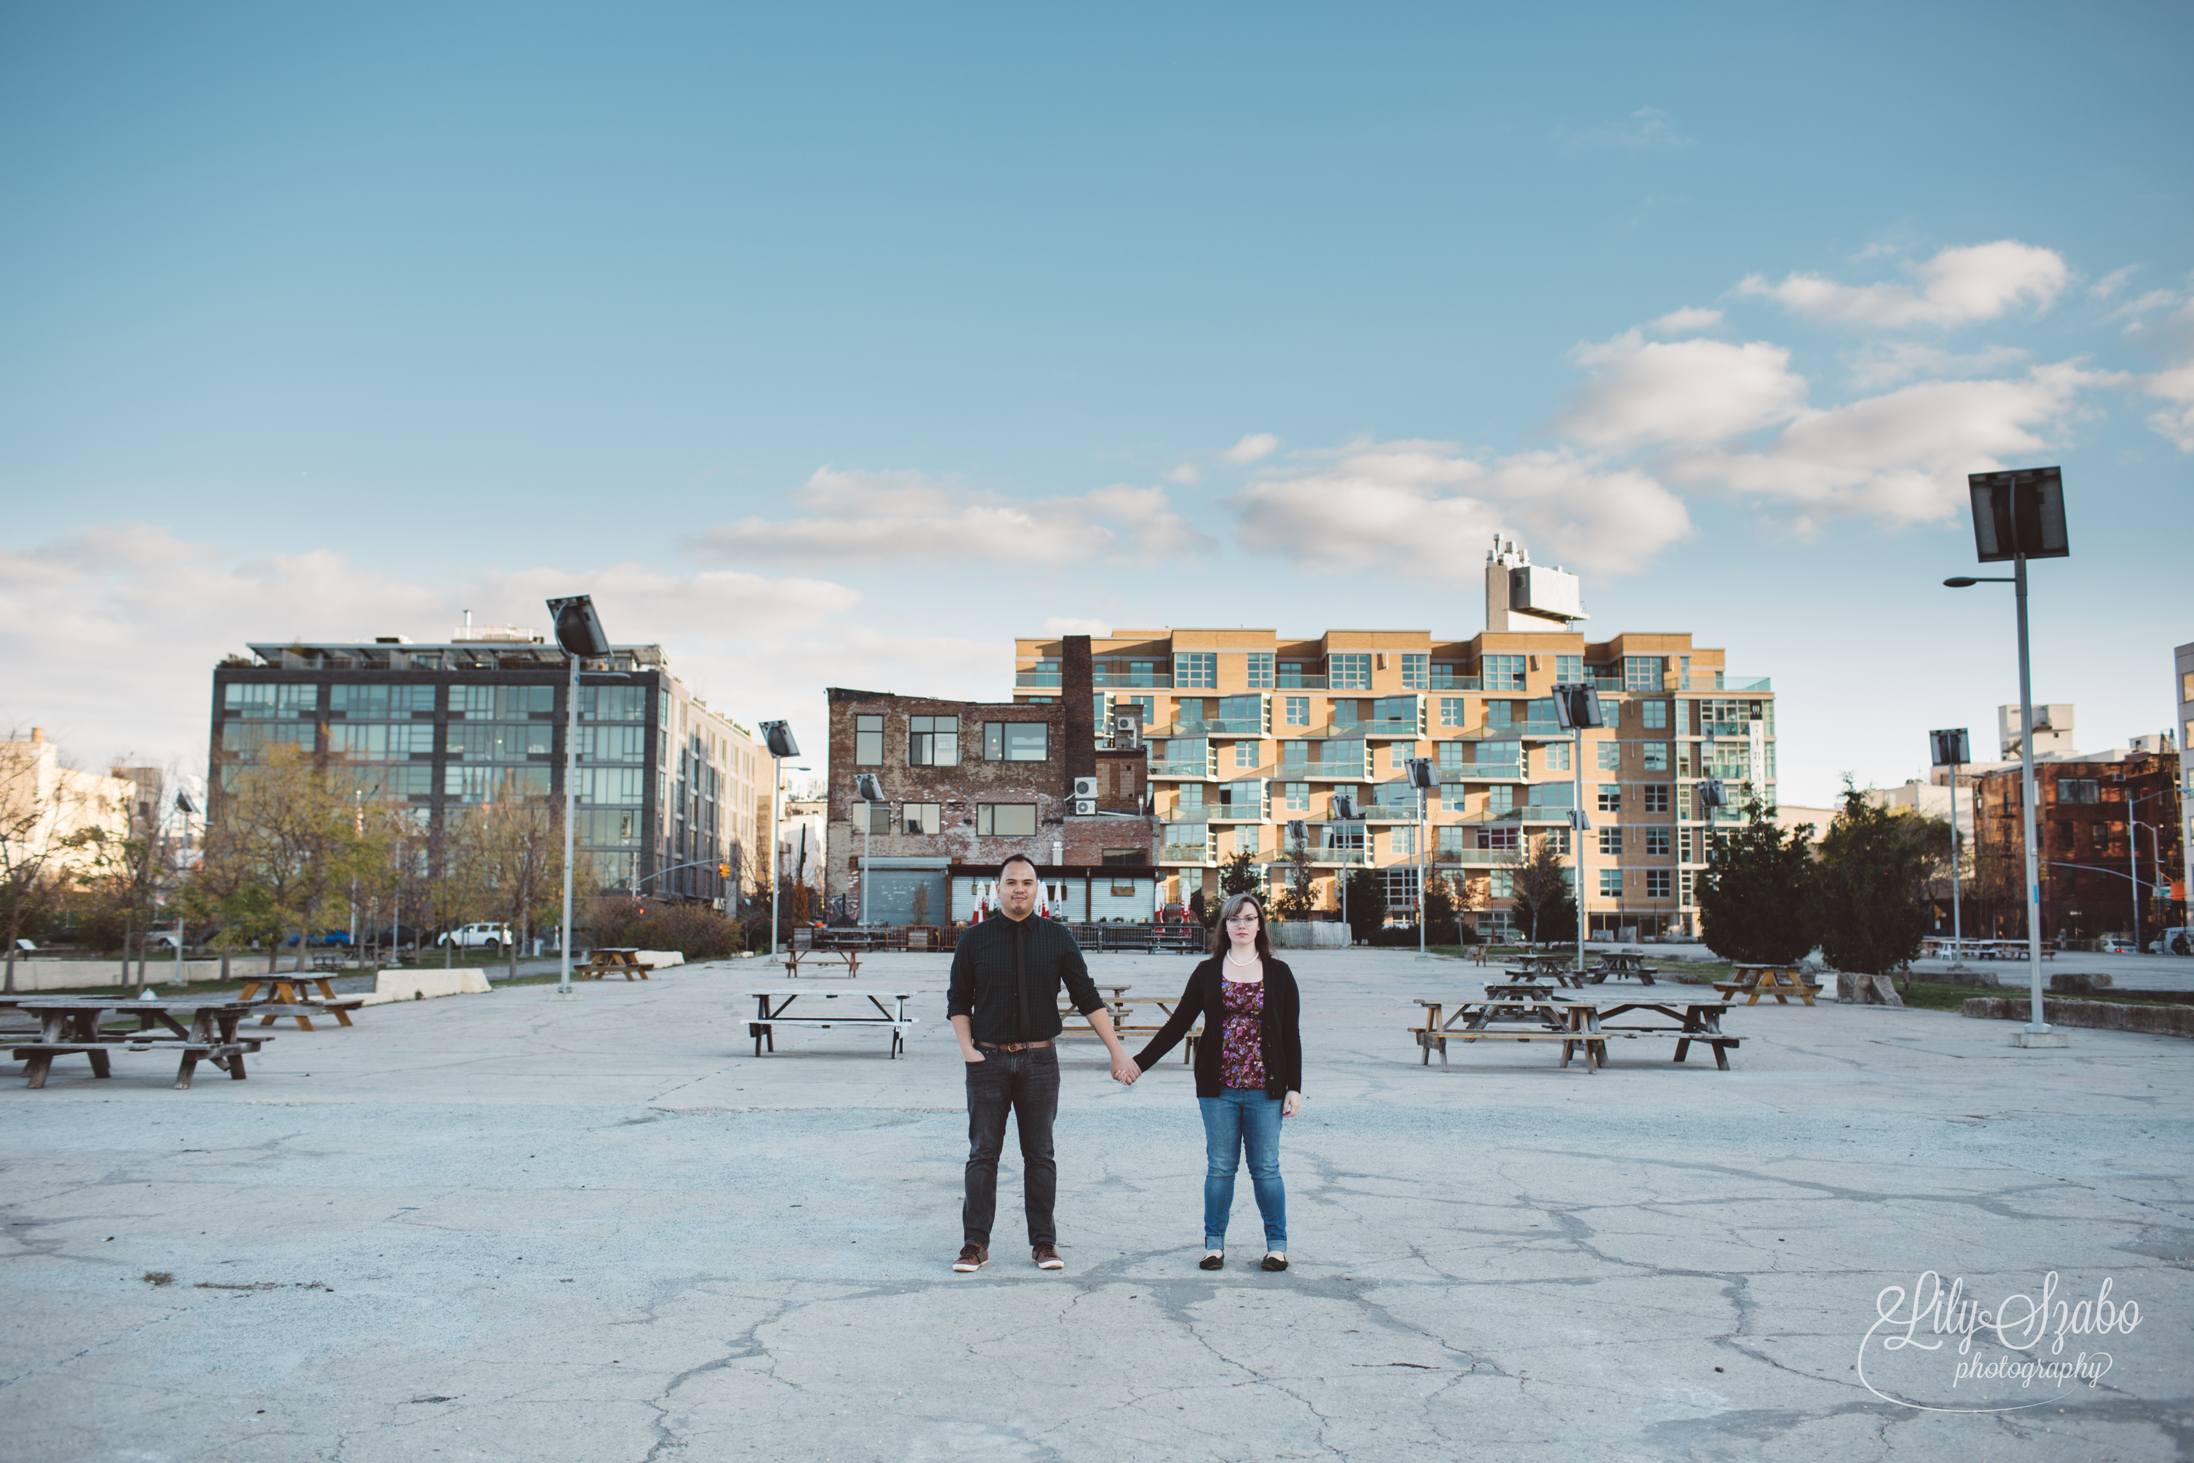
(1758, 900)
(1874, 867)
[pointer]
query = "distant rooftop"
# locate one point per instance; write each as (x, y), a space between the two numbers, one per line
(490, 648)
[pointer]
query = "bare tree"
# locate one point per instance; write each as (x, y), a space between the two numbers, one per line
(47, 819)
(281, 853)
(516, 848)
(1542, 892)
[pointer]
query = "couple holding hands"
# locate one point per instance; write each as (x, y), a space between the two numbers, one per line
(1004, 1007)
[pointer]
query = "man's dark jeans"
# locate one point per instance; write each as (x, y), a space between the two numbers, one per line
(1027, 1083)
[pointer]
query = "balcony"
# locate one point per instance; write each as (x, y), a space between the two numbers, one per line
(1479, 858)
(1407, 728)
(1388, 813)
(1455, 683)
(1146, 680)
(1483, 772)
(1197, 767)
(1300, 683)
(1354, 771)
(1743, 683)
(1036, 679)
(1184, 853)
(1224, 726)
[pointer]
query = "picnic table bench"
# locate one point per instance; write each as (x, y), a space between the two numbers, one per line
(1542, 1015)
(1126, 1021)
(768, 1017)
(1621, 964)
(1780, 981)
(798, 956)
(77, 1025)
(604, 960)
(1558, 969)
(288, 994)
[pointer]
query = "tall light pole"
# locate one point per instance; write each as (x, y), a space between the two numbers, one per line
(1424, 779)
(2019, 516)
(579, 632)
(1344, 813)
(778, 736)
(1952, 750)
(1576, 710)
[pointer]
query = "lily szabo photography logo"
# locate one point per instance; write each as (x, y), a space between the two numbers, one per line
(1938, 1349)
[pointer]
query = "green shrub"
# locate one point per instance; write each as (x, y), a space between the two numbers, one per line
(696, 932)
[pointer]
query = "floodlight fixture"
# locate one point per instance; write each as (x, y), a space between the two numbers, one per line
(578, 627)
(2019, 514)
(778, 736)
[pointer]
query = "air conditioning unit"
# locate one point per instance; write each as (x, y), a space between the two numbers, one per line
(1127, 733)
(1085, 807)
(1085, 787)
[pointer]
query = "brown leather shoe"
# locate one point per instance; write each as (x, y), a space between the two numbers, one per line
(972, 1258)
(1047, 1257)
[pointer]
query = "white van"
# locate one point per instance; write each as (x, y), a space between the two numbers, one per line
(488, 937)
(2178, 941)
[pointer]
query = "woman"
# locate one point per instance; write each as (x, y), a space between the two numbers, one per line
(1249, 1070)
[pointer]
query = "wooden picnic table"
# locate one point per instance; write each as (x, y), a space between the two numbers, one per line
(1539, 1016)
(1688, 1021)
(1126, 1022)
(768, 1017)
(1558, 969)
(796, 957)
(76, 1025)
(1780, 981)
(1621, 963)
(288, 995)
(621, 960)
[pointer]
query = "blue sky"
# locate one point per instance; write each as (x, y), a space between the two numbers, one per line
(839, 346)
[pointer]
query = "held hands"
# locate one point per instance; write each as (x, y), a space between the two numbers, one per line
(1124, 1071)
(1291, 1104)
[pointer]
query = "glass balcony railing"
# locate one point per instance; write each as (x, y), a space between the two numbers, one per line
(1388, 728)
(1741, 683)
(1300, 683)
(1036, 678)
(1389, 813)
(1454, 683)
(1325, 769)
(1221, 726)
(1184, 853)
(1196, 767)
(1483, 772)
(1143, 680)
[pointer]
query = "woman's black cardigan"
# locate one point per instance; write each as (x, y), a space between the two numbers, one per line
(1206, 997)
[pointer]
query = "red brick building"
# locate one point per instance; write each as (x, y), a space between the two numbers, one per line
(968, 783)
(2090, 806)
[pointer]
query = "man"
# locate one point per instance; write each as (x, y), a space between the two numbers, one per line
(1004, 1008)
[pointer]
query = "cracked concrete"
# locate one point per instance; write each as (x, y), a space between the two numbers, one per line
(602, 1229)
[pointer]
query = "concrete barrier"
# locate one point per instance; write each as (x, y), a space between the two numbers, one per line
(661, 958)
(425, 985)
(69, 975)
(2099, 1015)
(1309, 934)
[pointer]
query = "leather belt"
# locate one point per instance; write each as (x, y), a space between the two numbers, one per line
(1010, 1046)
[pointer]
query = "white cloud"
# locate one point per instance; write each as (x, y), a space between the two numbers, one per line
(1423, 508)
(1687, 321)
(1679, 391)
(1900, 457)
(2111, 283)
(1957, 286)
(110, 636)
(1644, 129)
(1069, 625)
(2175, 384)
(896, 516)
(1885, 363)
(2147, 304)
(1252, 448)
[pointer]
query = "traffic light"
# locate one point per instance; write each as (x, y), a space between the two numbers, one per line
(723, 871)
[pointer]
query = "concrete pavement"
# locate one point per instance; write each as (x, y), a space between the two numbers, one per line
(508, 1226)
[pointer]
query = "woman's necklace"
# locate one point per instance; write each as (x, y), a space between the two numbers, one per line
(1234, 959)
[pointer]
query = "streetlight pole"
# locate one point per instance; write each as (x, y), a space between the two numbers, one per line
(1952, 750)
(2020, 515)
(778, 736)
(870, 792)
(579, 631)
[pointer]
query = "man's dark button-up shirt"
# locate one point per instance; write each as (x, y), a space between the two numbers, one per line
(1006, 975)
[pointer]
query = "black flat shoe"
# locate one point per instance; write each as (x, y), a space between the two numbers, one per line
(1216, 1260)
(1275, 1262)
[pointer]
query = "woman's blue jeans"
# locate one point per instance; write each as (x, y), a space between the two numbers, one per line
(1242, 1120)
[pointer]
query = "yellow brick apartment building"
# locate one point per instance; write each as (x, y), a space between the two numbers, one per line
(1248, 730)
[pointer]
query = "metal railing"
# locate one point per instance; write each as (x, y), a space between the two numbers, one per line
(1483, 772)
(1036, 678)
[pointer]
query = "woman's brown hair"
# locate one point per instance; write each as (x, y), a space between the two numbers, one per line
(1220, 943)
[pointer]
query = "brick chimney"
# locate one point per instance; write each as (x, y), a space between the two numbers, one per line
(1077, 691)
(38, 733)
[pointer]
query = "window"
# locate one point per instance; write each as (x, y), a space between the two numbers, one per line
(1399, 711)
(491, 742)
(1657, 798)
(1405, 842)
(1500, 798)
(1446, 675)
(1641, 673)
(1688, 849)
(1450, 838)
(1259, 670)
(1298, 711)
(1245, 754)
(1657, 841)
(1195, 669)
(1557, 757)
(1451, 757)
(1501, 672)
(2079, 790)
(1454, 711)
(596, 784)
(1016, 741)
(596, 743)
(1659, 882)
(1190, 795)
(1184, 841)
(1295, 754)
(1416, 672)
(1611, 882)
(1609, 755)
(1245, 799)
(919, 818)
(1558, 840)
(1242, 713)
(1501, 884)
(872, 817)
(1295, 673)
(1246, 838)
(1298, 797)
(1348, 671)
(1610, 797)
(933, 741)
(254, 701)
(1611, 842)
(1569, 670)
(596, 703)
(1656, 756)
(868, 741)
(1653, 715)
(1009, 820)
(381, 701)
(1684, 883)
(1347, 713)
(1144, 706)
(1500, 713)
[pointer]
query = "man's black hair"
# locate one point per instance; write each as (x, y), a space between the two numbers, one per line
(1019, 858)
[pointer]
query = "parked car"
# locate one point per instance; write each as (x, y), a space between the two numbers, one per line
(489, 937)
(2117, 945)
